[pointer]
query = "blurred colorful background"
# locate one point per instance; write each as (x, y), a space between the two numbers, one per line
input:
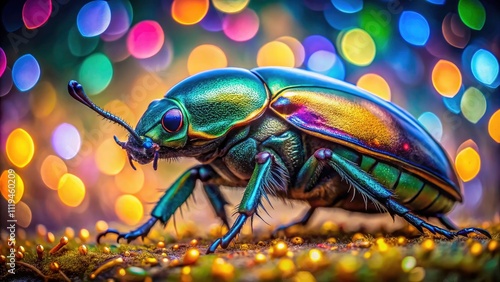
(437, 59)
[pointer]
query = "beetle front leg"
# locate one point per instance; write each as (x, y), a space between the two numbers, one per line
(173, 198)
(262, 180)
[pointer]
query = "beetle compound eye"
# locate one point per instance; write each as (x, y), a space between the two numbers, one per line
(172, 120)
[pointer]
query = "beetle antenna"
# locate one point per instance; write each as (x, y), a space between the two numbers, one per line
(76, 91)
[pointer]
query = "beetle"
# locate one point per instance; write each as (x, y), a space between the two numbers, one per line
(292, 134)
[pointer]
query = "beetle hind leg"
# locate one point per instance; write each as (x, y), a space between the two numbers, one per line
(447, 222)
(142, 231)
(302, 221)
(395, 207)
(364, 183)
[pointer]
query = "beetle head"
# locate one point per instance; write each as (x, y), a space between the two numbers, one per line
(140, 148)
(160, 133)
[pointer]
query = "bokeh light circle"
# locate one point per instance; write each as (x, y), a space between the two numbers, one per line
(446, 78)
(242, 26)
(130, 181)
(43, 99)
(212, 20)
(414, 28)
(4, 186)
(25, 72)
(494, 126)
(296, 47)
(23, 214)
(374, 21)
(437, 2)
(472, 13)
(71, 190)
(473, 104)
(20, 147)
(93, 18)
(3, 62)
(230, 6)
(6, 82)
(468, 164)
(36, 13)
(66, 141)
(321, 61)
(79, 45)
(314, 43)
(348, 6)
(206, 57)
(338, 19)
(145, 39)
(95, 73)
(432, 124)
(109, 157)
(121, 18)
(454, 31)
(453, 103)
(161, 60)
(189, 12)
(484, 66)
(375, 84)
(275, 53)
(129, 209)
(52, 169)
(407, 64)
(357, 47)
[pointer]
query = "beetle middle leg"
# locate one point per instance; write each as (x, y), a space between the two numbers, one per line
(364, 183)
(307, 178)
(177, 195)
(268, 176)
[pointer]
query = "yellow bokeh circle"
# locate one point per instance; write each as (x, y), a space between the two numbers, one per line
(129, 209)
(296, 47)
(189, 12)
(375, 84)
(130, 181)
(230, 6)
(206, 57)
(494, 126)
(12, 186)
(71, 190)
(446, 78)
(101, 226)
(43, 99)
(275, 53)
(20, 147)
(110, 158)
(468, 163)
(52, 169)
(357, 47)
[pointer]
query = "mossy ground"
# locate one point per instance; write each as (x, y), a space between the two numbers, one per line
(348, 257)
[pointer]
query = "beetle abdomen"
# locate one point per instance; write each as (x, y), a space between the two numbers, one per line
(417, 194)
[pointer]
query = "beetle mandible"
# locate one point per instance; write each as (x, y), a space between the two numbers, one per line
(292, 134)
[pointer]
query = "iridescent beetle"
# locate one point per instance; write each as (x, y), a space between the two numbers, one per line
(292, 134)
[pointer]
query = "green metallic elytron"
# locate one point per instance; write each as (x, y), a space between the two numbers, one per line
(292, 134)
